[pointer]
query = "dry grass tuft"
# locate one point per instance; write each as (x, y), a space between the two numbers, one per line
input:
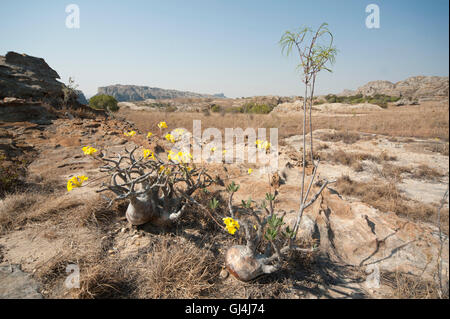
(177, 270)
(353, 160)
(385, 196)
(338, 136)
(105, 280)
(395, 172)
(23, 208)
(425, 172)
(406, 286)
(14, 206)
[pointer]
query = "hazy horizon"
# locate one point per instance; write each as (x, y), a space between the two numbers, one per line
(228, 47)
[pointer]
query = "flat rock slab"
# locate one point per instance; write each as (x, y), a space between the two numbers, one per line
(16, 284)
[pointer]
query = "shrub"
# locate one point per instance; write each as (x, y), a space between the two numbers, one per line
(215, 108)
(104, 102)
(252, 107)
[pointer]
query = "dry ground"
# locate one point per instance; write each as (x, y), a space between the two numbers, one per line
(378, 157)
(428, 120)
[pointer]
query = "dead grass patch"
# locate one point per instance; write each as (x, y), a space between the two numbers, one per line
(353, 159)
(338, 136)
(106, 280)
(425, 121)
(425, 172)
(385, 196)
(406, 286)
(177, 270)
(23, 208)
(395, 172)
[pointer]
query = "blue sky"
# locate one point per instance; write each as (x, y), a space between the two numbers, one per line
(227, 46)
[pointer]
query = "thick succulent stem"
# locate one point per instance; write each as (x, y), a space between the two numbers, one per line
(245, 265)
(140, 210)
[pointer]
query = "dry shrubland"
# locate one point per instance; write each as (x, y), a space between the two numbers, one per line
(426, 121)
(385, 196)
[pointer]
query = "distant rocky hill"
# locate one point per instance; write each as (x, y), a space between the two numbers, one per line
(128, 93)
(416, 87)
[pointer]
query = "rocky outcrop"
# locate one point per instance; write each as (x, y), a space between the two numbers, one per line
(81, 98)
(360, 235)
(17, 284)
(27, 77)
(416, 87)
(129, 93)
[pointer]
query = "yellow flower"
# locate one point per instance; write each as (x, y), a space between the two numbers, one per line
(170, 138)
(148, 154)
(224, 151)
(76, 181)
(149, 134)
(265, 145)
(250, 171)
(162, 125)
(130, 133)
(213, 149)
(89, 150)
(166, 171)
(231, 225)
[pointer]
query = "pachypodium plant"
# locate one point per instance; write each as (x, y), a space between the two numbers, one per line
(246, 262)
(266, 234)
(158, 191)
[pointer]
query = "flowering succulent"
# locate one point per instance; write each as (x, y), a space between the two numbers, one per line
(148, 154)
(130, 133)
(265, 145)
(162, 125)
(89, 150)
(231, 225)
(170, 138)
(180, 157)
(76, 181)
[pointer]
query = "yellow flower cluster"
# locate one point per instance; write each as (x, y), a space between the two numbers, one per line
(162, 125)
(263, 145)
(167, 171)
(149, 134)
(180, 157)
(250, 171)
(231, 225)
(148, 154)
(89, 150)
(170, 138)
(76, 181)
(130, 134)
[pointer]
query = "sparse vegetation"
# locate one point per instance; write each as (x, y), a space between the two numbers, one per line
(104, 102)
(378, 99)
(252, 107)
(386, 197)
